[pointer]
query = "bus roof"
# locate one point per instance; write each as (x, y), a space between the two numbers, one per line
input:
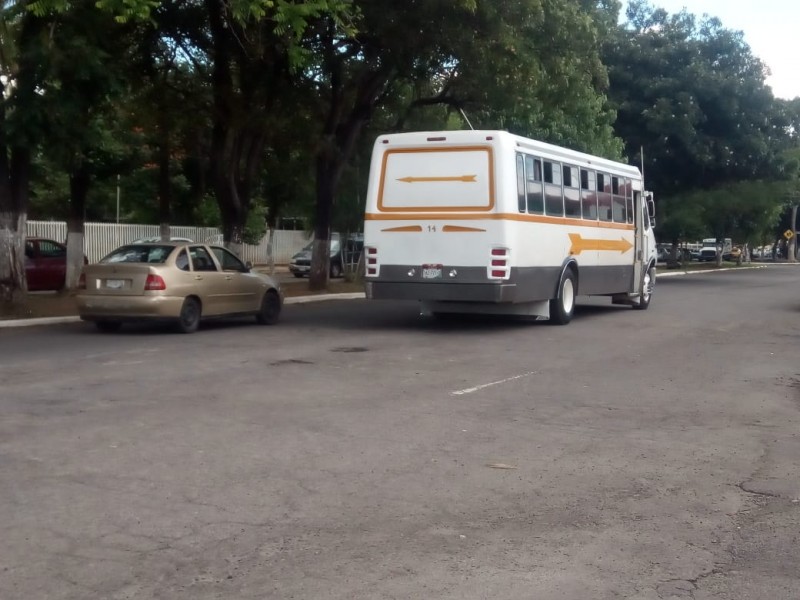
(543, 149)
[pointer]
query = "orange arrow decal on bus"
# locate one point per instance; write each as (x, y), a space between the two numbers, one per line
(463, 178)
(579, 244)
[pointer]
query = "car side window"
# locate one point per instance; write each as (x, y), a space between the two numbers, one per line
(29, 250)
(201, 259)
(228, 260)
(51, 250)
(182, 261)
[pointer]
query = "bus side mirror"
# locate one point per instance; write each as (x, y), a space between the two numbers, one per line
(651, 209)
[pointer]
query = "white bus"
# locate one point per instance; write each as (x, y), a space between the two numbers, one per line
(490, 222)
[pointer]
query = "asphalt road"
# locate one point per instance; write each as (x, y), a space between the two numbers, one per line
(356, 450)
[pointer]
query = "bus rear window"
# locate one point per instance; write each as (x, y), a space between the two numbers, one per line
(450, 178)
(139, 253)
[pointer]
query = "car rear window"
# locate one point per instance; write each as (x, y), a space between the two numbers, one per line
(139, 254)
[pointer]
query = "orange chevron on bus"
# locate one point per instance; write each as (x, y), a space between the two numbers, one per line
(490, 222)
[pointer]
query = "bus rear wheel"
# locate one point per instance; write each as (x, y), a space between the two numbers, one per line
(562, 307)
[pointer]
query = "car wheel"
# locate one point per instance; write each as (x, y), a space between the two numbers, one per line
(298, 275)
(189, 319)
(648, 283)
(562, 306)
(270, 309)
(336, 270)
(108, 326)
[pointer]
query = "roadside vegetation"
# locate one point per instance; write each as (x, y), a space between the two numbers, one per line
(240, 112)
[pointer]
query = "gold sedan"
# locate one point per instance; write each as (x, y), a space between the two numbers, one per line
(174, 281)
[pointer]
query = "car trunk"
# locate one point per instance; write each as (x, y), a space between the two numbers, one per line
(117, 279)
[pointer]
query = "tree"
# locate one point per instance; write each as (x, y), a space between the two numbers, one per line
(20, 125)
(538, 58)
(80, 95)
(693, 96)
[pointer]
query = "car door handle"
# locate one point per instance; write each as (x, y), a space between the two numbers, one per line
(228, 277)
(198, 277)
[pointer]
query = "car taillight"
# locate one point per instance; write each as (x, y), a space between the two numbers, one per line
(499, 263)
(155, 283)
(82, 281)
(372, 261)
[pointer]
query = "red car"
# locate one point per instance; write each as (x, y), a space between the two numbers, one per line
(45, 264)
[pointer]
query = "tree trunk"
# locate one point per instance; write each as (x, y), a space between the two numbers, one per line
(164, 174)
(79, 182)
(271, 249)
(230, 143)
(15, 163)
(12, 258)
(327, 178)
(14, 175)
(791, 251)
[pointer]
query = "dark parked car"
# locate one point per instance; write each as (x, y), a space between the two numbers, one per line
(300, 264)
(45, 264)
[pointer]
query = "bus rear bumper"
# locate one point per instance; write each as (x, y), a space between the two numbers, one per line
(497, 293)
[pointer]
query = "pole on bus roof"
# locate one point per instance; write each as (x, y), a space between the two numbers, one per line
(463, 114)
(641, 155)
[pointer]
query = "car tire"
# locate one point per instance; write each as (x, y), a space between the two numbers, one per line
(189, 319)
(108, 326)
(298, 275)
(648, 284)
(270, 309)
(562, 307)
(336, 270)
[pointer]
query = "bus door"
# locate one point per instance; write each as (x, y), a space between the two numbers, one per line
(641, 221)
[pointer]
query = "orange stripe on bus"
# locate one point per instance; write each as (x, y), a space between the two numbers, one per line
(458, 228)
(406, 228)
(525, 218)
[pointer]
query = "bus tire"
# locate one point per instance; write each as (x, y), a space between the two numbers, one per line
(562, 307)
(648, 283)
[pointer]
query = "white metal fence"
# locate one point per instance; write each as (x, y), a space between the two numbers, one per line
(102, 238)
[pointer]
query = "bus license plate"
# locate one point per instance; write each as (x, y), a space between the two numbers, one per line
(431, 271)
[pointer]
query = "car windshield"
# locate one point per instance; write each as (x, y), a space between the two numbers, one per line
(139, 254)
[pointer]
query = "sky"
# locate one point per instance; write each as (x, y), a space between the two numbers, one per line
(771, 29)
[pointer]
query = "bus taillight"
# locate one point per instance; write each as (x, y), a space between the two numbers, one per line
(499, 263)
(372, 261)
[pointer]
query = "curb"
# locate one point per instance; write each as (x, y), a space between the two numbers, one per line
(678, 273)
(9, 323)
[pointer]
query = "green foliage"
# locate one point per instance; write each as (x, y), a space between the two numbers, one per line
(747, 211)
(118, 81)
(692, 94)
(256, 225)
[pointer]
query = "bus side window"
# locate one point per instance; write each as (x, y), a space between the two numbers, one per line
(604, 196)
(520, 183)
(554, 199)
(588, 195)
(617, 200)
(572, 195)
(533, 176)
(628, 190)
